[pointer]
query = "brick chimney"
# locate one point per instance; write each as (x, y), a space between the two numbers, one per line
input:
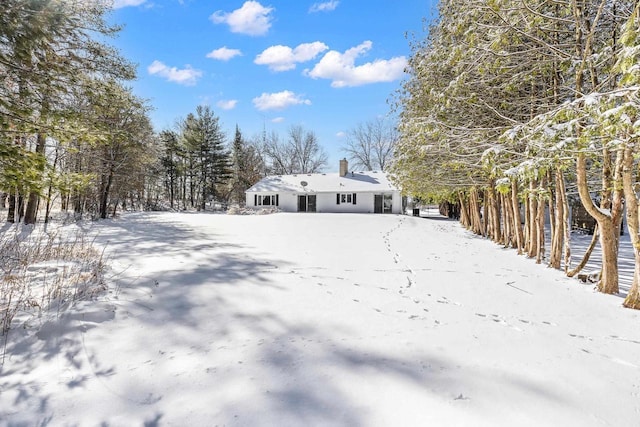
(344, 167)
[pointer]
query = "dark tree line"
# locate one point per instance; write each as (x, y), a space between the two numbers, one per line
(69, 126)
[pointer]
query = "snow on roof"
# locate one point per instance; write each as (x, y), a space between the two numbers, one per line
(325, 182)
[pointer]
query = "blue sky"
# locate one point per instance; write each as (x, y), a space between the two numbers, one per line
(326, 65)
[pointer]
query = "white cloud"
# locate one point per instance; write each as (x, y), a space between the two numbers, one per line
(187, 76)
(341, 134)
(227, 104)
(252, 19)
(327, 6)
(117, 4)
(341, 68)
(277, 120)
(283, 58)
(224, 53)
(279, 100)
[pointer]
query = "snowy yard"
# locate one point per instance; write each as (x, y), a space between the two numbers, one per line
(323, 320)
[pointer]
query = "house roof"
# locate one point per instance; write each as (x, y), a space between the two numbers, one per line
(325, 182)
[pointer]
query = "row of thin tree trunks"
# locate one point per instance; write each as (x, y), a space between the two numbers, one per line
(185, 192)
(25, 207)
(81, 204)
(503, 218)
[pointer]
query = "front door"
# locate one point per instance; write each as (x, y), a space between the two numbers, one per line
(377, 203)
(311, 203)
(307, 203)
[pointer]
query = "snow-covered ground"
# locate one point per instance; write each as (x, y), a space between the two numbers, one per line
(323, 320)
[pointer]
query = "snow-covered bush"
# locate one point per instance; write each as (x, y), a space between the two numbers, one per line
(236, 210)
(40, 270)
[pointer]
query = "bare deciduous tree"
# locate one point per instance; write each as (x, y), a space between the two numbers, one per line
(370, 145)
(301, 153)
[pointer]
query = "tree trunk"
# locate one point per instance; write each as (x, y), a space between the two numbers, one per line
(531, 223)
(171, 190)
(465, 219)
(47, 209)
(115, 208)
(192, 184)
(517, 220)
(184, 192)
(559, 238)
(586, 256)
(553, 226)
(477, 226)
(609, 278)
(617, 198)
(505, 219)
(494, 210)
(20, 207)
(566, 226)
(485, 213)
(104, 194)
(30, 214)
(540, 216)
(633, 297)
(11, 213)
(608, 241)
(203, 203)
(562, 220)
(31, 211)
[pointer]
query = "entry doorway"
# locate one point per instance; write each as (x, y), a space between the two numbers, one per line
(307, 203)
(383, 203)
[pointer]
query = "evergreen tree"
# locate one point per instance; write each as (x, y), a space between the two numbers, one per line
(247, 167)
(210, 163)
(506, 105)
(47, 49)
(173, 163)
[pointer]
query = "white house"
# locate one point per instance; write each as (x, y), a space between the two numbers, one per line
(364, 192)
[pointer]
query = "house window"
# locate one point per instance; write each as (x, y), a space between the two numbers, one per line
(266, 200)
(348, 198)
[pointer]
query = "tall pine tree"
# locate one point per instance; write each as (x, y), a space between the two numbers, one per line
(210, 161)
(247, 167)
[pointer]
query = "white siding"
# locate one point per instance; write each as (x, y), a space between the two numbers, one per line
(288, 202)
(327, 202)
(397, 202)
(326, 187)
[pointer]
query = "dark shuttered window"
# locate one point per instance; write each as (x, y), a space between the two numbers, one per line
(349, 198)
